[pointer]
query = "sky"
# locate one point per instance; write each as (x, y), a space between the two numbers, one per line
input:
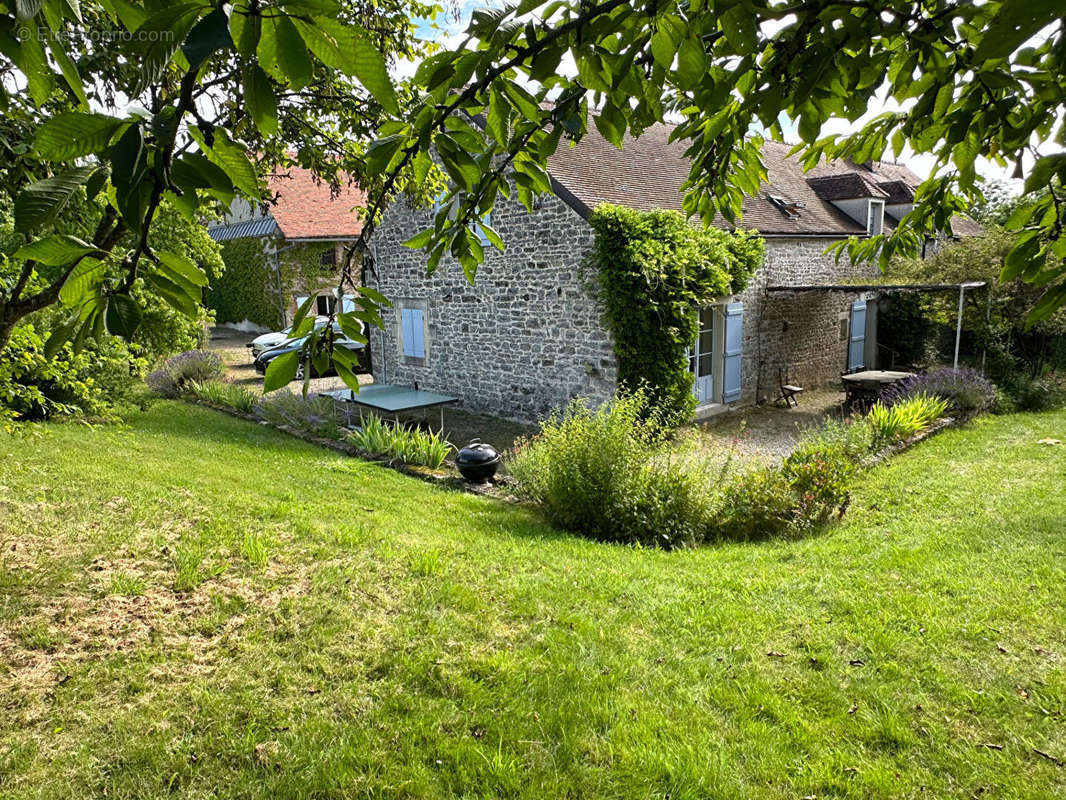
(448, 31)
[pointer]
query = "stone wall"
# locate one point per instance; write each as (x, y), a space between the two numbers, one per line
(525, 338)
(798, 333)
(528, 335)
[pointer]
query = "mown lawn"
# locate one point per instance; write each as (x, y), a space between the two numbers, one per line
(196, 606)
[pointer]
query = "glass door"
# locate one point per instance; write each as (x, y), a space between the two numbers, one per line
(701, 358)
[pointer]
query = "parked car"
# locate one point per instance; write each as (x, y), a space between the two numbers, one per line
(357, 348)
(260, 344)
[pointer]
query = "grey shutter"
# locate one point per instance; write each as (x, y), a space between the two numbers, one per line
(731, 357)
(857, 337)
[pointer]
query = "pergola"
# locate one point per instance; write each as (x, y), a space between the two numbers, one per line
(893, 287)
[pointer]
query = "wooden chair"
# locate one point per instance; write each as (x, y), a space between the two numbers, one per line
(788, 391)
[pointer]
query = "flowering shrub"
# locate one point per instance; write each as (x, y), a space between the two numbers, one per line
(314, 415)
(179, 372)
(967, 392)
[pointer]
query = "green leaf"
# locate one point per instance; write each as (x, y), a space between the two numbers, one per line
(55, 251)
(1014, 23)
(498, 120)
(1051, 301)
(84, 281)
(182, 266)
(1021, 256)
(123, 316)
(163, 32)
(232, 160)
(369, 67)
(260, 100)
(177, 297)
(128, 158)
(292, 58)
(691, 62)
(207, 36)
(375, 296)
(457, 162)
(381, 152)
(418, 241)
(303, 311)
(27, 9)
(75, 134)
(611, 124)
(1040, 176)
(281, 371)
(40, 202)
(60, 335)
(244, 30)
(69, 70)
(351, 326)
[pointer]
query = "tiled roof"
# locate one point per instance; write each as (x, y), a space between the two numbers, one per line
(253, 227)
(899, 192)
(844, 186)
(306, 209)
(648, 173)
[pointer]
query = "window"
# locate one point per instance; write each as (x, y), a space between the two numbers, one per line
(843, 327)
(412, 332)
(324, 304)
(328, 258)
(875, 222)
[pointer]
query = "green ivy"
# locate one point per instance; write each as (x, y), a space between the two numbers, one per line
(655, 270)
(247, 289)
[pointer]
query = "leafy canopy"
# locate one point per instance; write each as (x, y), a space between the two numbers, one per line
(969, 80)
(205, 85)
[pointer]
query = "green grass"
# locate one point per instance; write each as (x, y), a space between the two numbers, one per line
(198, 606)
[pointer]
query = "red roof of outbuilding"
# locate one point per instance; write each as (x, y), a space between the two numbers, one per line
(306, 208)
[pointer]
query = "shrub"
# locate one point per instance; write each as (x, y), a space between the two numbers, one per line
(33, 387)
(315, 415)
(228, 395)
(380, 438)
(804, 492)
(906, 418)
(967, 392)
(174, 378)
(600, 473)
(1044, 393)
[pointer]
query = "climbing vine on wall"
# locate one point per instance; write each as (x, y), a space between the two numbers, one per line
(247, 289)
(655, 270)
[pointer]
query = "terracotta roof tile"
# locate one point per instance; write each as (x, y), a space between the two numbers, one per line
(306, 209)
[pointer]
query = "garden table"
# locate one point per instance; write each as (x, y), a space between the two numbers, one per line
(863, 388)
(386, 398)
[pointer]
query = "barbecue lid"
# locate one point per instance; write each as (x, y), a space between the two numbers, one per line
(477, 452)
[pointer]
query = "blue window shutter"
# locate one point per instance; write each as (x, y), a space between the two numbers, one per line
(857, 337)
(347, 303)
(414, 344)
(731, 358)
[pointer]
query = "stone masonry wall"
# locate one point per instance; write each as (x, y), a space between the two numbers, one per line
(798, 333)
(528, 335)
(523, 339)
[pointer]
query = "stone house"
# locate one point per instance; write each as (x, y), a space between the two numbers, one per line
(296, 242)
(528, 335)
